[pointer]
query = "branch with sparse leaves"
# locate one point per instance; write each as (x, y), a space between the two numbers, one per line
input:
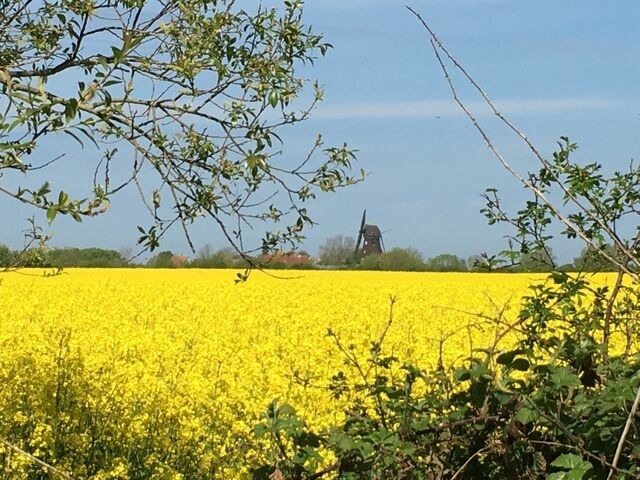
(185, 101)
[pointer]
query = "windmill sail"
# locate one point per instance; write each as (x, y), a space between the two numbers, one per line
(361, 231)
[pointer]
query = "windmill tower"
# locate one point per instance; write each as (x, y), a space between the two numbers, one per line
(371, 238)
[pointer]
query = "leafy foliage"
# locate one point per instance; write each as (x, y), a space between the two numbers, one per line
(592, 259)
(560, 403)
(396, 259)
(60, 258)
(161, 260)
(410, 259)
(84, 257)
(223, 258)
(191, 95)
(446, 262)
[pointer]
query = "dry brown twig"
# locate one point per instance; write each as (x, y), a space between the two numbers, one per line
(438, 48)
(623, 437)
(51, 468)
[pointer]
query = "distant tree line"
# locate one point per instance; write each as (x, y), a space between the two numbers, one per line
(61, 257)
(337, 252)
(206, 258)
(227, 257)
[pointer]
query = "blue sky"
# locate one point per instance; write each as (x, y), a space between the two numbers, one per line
(556, 68)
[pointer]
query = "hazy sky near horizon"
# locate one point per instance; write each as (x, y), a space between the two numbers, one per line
(555, 68)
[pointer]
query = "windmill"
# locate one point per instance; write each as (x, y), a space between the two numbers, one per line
(372, 236)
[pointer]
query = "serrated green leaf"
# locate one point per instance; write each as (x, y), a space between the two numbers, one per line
(526, 415)
(563, 377)
(557, 476)
(260, 430)
(342, 441)
(286, 410)
(571, 461)
(576, 474)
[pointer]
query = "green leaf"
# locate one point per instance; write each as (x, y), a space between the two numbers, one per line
(117, 54)
(70, 109)
(264, 472)
(507, 357)
(571, 461)
(461, 375)
(521, 364)
(74, 136)
(557, 476)
(52, 211)
(273, 98)
(526, 415)
(576, 474)
(260, 430)
(576, 466)
(307, 439)
(563, 377)
(286, 410)
(342, 441)
(110, 83)
(63, 198)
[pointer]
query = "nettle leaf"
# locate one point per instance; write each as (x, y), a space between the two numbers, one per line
(342, 441)
(260, 430)
(560, 476)
(571, 461)
(526, 415)
(576, 467)
(564, 377)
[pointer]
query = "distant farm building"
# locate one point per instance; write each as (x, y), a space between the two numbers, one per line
(288, 259)
(178, 261)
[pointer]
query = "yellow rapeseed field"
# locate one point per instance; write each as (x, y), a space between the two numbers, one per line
(148, 373)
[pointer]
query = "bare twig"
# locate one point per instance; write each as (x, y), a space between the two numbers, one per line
(464, 465)
(51, 468)
(439, 47)
(623, 437)
(461, 423)
(331, 468)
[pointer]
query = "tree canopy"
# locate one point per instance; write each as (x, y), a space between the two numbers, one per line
(592, 259)
(397, 259)
(446, 262)
(183, 101)
(337, 250)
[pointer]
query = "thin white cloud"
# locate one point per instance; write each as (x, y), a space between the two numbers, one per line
(447, 108)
